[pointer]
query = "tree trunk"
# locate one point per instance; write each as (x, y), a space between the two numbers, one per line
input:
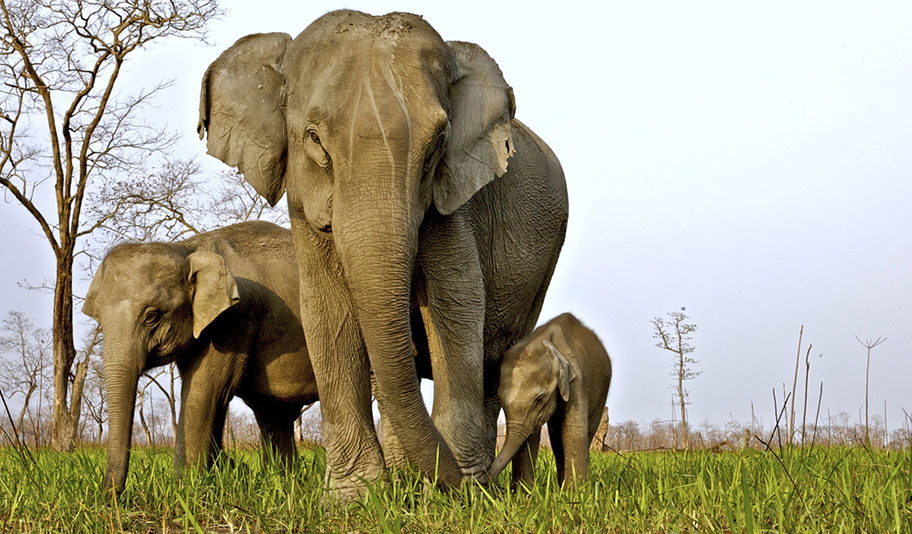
(684, 442)
(598, 444)
(867, 373)
(65, 415)
(28, 395)
(141, 401)
(172, 400)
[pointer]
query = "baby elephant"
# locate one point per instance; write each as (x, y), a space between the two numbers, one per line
(560, 375)
(224, 306)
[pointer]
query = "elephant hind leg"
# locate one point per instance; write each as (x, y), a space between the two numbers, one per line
(557, 447)
(277, 434)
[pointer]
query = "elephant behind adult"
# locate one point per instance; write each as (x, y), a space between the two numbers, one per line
(224, 307)
(410, 184)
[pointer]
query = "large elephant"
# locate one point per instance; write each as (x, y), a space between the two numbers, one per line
(410, 186)
(224, 307)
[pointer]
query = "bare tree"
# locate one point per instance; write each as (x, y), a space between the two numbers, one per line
(674, 336)
(25, 368)
(94, 398)
(64, 124)
(868, 344)
(170, 204)
(237, 201)
(143, 394)
(168, 392)
(163, 204)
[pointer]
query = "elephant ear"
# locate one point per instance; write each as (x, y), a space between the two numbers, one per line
(480, 140)
(90, 304)
(213, 288)
(565, 373)
(241, 108)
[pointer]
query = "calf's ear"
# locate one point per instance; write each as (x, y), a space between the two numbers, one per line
(565, 371)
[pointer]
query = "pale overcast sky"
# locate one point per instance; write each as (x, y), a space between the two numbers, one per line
(750, 162)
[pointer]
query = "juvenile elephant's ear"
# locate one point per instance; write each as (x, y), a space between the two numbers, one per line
(90, 304)
(565, 374)
(241, 107)
(213, 287)
(480, 140)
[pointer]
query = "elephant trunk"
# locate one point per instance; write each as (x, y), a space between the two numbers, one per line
(516, 438)
(121, 378)
(377, 244)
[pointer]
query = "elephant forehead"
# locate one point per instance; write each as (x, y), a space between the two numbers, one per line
(524, 379)
(347, 55)
(144, 279)
(350, 25)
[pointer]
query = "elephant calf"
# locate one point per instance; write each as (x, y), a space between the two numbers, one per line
(224, 307)
(560, 375)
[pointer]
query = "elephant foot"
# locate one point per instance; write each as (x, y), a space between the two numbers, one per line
(349, 489)
(475, 473)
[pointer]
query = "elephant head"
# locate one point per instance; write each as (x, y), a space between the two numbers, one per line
(531, 378)
(366, 123)
(152, 302)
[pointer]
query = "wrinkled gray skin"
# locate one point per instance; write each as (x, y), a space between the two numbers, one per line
(222, 305)
(559, 375)
(411, 188)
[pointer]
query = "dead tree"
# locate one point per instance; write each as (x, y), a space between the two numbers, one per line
(674, 336)
(868, 344)
(25, 367)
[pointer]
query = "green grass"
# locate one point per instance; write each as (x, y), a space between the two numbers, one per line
(817, 490)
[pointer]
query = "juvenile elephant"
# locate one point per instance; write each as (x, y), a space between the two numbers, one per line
(224, 307)
(560, 375)
(410, 186)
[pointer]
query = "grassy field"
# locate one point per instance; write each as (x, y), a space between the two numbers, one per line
(816, 490)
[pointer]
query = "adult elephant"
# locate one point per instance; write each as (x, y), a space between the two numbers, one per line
(409, 184)
(224, 307)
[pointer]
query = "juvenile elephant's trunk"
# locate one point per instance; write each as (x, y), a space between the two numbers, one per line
(516, 438)
(377, 243)
(121, 377)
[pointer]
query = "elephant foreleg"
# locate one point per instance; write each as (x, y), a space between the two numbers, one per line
(340, 366)
(206, 390)
(394, 455)
(524, 461)
(452, 299)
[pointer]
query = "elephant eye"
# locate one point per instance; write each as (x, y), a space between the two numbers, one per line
(151, 317)
(315, 148)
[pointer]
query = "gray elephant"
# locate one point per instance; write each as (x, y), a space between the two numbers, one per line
(412, 192)
(560, 375)
(224, 307)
